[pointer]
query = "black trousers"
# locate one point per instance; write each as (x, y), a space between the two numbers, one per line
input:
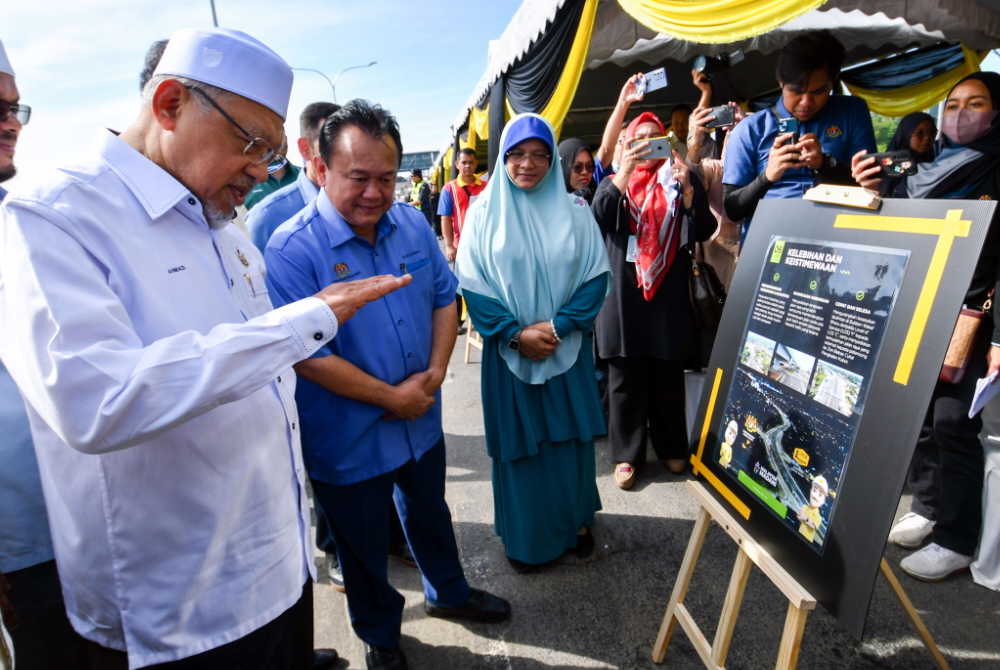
(45, 639)
(645, 391)
(946, 475)
(284, 644)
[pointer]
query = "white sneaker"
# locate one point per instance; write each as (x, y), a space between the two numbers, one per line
(911, 530)
(933, 563)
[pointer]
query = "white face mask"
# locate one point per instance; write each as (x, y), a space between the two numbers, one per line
(966, 125)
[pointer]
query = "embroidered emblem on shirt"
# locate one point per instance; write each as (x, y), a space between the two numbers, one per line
(211, 57)
(342, 270)
(833, 131)
(243, 259)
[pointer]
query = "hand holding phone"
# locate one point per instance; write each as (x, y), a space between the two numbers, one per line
(724, 115)
(895, 164)
(789, 125)
(659, 147)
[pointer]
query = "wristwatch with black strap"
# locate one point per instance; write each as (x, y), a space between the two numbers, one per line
(515, 341)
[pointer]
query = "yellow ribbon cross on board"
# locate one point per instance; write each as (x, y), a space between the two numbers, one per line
(946, 229)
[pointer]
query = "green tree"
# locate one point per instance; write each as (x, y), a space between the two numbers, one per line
(885, 127)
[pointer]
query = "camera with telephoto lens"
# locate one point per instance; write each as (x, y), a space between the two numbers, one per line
(712, 65)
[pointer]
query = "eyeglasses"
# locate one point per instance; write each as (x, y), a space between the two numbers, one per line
(21, 112)
(924, 134)
(258, 151)
(580, 168)
(518, 158)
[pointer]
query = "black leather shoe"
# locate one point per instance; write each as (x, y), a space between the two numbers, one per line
(481, 606)
(325, 659)
(584, 545)
(385, 659)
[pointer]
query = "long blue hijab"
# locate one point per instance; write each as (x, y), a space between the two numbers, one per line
(531, 250)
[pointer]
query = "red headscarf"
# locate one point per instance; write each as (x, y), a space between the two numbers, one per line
(654, 203)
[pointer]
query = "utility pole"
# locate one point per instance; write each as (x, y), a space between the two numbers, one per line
(215, 19)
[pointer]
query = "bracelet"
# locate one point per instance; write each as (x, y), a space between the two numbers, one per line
(552, 322)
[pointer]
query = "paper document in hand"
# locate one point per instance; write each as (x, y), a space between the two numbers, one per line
(985, 390)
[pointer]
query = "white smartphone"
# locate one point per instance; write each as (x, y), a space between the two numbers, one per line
(660, 147)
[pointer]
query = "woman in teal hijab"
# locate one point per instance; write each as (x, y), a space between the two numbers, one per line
(534, 272)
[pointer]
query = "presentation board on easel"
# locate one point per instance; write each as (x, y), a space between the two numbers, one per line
(831, 343)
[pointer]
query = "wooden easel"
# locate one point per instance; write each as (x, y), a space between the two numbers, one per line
(472, 337)
(800, 602)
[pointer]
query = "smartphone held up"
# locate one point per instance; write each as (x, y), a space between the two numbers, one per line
(659, 147)
(650, 81)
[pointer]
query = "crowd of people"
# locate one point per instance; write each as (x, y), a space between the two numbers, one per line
(154, 494)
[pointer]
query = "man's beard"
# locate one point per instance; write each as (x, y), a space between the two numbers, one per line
(216, 217)
(9, 171)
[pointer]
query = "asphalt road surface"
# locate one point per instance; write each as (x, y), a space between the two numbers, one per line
(833, 393)
(605, 611)
(794, 382)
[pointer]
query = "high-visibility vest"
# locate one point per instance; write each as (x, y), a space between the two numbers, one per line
(461, 198)
(415, 193)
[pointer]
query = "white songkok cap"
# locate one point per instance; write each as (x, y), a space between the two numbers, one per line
(231, 60)
(5, 65)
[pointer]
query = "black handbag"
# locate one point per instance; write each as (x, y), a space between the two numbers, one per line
(707, 292)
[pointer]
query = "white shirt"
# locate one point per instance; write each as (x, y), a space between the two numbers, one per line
(161, 401)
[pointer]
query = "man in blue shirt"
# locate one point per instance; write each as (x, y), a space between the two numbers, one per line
(286, 202)
(370, 401)
(761, 163)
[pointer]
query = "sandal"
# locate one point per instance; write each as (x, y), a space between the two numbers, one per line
(624, 475)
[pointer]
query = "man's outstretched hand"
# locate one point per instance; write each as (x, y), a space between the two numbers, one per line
(346, 298)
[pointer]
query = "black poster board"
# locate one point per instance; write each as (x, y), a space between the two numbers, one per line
(839, 387)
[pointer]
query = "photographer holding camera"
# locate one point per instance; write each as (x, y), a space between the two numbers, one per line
(763, 162)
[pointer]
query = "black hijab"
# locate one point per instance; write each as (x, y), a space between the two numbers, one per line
(901, 141)
(569, 149)
(954, 175)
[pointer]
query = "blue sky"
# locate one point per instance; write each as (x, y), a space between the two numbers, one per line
(77, 61)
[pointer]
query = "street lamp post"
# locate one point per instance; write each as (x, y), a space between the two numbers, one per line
(333, 84)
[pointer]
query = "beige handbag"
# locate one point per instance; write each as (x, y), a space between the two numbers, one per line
(962, 342)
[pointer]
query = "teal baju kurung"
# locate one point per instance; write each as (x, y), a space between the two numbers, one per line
(541, 436)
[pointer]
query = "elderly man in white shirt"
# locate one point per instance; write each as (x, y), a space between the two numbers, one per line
(157, 376)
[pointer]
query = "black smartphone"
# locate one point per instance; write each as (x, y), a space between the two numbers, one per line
(789, 125)
(724, 115)
(895, 164)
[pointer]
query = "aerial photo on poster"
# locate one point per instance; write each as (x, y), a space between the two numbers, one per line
(797, 394)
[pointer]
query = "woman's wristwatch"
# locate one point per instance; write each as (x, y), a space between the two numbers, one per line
(515, 341)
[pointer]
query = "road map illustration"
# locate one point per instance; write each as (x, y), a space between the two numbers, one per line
(798, 392)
